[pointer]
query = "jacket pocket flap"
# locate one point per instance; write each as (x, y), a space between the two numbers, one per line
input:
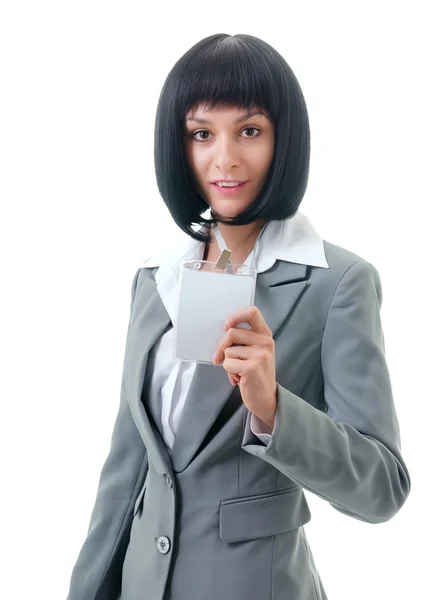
(253, 517)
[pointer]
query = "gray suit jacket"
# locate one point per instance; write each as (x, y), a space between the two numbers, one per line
(222, 517)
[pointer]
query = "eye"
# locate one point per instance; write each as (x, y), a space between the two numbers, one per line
(246, 129)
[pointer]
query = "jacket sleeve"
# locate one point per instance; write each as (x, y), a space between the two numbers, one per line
(97, 572)
(260, 429)
(351, 454)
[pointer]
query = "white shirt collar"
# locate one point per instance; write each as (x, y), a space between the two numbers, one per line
(293, 240)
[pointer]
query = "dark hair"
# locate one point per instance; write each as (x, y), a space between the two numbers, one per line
(227, 71)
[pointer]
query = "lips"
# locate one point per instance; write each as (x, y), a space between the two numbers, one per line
(229, 186)
(228, 181)
(229, 190)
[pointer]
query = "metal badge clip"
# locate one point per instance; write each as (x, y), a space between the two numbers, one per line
(223, 260)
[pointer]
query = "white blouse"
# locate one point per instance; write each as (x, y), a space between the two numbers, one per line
(294, 240)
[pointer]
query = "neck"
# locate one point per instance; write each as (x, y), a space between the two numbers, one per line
(240, 240)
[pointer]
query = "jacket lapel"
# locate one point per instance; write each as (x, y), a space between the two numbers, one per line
(277, 292)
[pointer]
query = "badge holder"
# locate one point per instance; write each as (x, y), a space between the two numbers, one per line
(208, 293)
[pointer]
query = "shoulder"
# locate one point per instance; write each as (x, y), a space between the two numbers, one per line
(347, 270)
(142, 274)
(341, 259)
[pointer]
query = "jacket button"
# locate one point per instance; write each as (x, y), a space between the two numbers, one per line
(163, 544)
(168, 480)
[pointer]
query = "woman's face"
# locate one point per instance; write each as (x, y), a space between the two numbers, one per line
(223, 143)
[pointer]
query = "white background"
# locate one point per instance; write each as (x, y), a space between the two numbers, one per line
(80, 211)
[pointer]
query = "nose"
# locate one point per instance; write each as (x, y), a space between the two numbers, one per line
(226, 154)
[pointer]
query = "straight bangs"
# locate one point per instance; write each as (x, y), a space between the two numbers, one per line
(232, 71)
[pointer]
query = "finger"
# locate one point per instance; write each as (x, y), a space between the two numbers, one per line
(241, 352)
(236, 366)
(241, 337)
(233, 378)
(250, 315)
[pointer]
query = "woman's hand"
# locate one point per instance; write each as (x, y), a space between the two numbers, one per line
(250, 362)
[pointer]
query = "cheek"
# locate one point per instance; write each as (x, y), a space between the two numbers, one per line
(193, 155)
(263, 162)
(199, 160)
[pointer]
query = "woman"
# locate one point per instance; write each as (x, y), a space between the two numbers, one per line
(202, 493)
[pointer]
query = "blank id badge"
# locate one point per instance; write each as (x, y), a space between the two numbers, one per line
(207, 295)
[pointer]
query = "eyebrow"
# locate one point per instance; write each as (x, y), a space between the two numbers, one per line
(239, 120)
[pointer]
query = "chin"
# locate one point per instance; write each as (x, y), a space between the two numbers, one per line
(225, 214)
(228, 211)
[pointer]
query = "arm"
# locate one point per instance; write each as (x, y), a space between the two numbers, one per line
(351, 455)
(97, 572)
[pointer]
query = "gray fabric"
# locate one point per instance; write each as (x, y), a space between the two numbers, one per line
(223, 515)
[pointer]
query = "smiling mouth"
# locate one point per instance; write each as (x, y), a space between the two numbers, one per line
(229, 189)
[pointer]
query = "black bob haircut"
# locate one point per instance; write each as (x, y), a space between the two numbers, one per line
(232, 71)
